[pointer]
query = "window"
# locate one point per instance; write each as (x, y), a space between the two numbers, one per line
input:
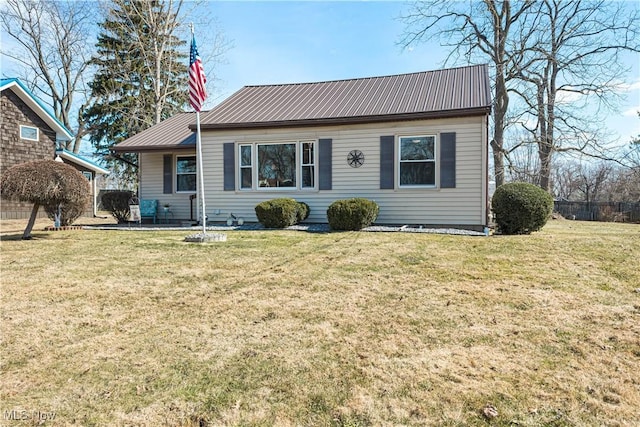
(277, 165)
(186, 173)
(246, 167)
(87, 175)
(282, 166)
(417, 161)
(308, 165)
(29, 132)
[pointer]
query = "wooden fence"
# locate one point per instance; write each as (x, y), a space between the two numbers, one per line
(599, 211)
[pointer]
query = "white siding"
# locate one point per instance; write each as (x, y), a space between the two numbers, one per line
(463, 205)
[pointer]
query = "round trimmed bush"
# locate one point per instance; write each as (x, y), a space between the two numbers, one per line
(277, 213)
(521, 208)
(352, 214)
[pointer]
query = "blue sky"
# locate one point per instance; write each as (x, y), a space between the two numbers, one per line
(305, 41)
(289, 42)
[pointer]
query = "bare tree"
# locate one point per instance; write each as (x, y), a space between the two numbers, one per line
(625, 181)
(565, 180)
(630, 157)
(155, 40)
(522, 164)
(482, 30)
(167, 20)
(558, 56)
(592, 179)
(624, 185)
(52, 42)
(572, 62)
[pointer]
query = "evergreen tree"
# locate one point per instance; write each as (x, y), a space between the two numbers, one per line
(141, 74)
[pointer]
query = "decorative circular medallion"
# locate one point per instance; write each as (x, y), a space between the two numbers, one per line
(355, 158)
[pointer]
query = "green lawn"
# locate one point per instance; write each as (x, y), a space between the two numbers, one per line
(339, 329)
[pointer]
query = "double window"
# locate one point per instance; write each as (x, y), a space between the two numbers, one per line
(417, 160)
(186, 174)
(279, 166)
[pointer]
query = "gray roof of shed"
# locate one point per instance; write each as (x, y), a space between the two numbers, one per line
(172, 133)
(443, 93)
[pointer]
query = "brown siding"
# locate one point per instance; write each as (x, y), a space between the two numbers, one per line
(13, 150)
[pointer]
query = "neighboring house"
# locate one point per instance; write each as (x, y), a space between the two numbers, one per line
(29, 131)
(89, 169)
(415, 143)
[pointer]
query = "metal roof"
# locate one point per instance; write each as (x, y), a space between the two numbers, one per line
(443, 93)
(172, 133)
(82, 161)
(453, 92)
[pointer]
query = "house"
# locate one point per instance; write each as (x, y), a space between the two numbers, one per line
(414, 143)
(29, 131)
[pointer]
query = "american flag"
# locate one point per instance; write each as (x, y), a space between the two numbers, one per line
(197, 79)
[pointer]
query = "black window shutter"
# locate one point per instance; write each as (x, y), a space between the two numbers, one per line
(448, 160)
(229, 168)
(325, 167)
(167, 174)
(387, 162)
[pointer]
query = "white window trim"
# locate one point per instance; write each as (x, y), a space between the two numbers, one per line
(241, 167)
(178, 156)
(435, 161)
(254, 165)
(313, 163)
(37, 138)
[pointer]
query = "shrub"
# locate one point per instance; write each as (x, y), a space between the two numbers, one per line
(44, 182)
(69, 211)
(352, 214)
(277, 213)
(303, 211)
(521, 208)
(117, 202)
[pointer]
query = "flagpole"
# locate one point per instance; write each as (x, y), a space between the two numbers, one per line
(203, 217)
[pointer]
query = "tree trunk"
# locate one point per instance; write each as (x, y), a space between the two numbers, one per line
(32, 219)
(545, 152)
(500, 110)
(501, 102)
(498, 163)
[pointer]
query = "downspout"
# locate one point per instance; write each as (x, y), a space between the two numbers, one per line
(139, 177)
(486, 172)
(95, 195)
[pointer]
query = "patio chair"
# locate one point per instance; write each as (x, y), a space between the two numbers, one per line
(149, 209)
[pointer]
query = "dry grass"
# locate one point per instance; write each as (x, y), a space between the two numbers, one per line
(345, 329)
